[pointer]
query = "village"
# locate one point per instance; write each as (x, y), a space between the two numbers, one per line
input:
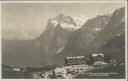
(73, 67)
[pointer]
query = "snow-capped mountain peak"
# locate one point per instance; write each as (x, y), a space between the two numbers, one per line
(69, 22)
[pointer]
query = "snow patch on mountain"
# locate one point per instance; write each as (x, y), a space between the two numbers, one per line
(66, 26)
(60, 50)
(96, 29)
(54, 23)
(80, 20)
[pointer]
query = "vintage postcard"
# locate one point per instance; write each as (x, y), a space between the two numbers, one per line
(64, 40)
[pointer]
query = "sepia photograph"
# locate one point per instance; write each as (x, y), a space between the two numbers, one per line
(84, 40)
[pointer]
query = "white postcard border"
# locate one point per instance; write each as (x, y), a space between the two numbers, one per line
(126, 56)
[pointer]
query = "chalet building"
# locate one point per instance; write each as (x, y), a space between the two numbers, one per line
(16, 69)
(75, 60)
(98, 57)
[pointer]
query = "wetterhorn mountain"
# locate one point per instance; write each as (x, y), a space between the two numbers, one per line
(58, 29)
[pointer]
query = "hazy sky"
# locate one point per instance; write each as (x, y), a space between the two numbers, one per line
(33, 16)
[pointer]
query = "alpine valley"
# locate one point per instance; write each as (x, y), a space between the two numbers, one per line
(69, 36)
